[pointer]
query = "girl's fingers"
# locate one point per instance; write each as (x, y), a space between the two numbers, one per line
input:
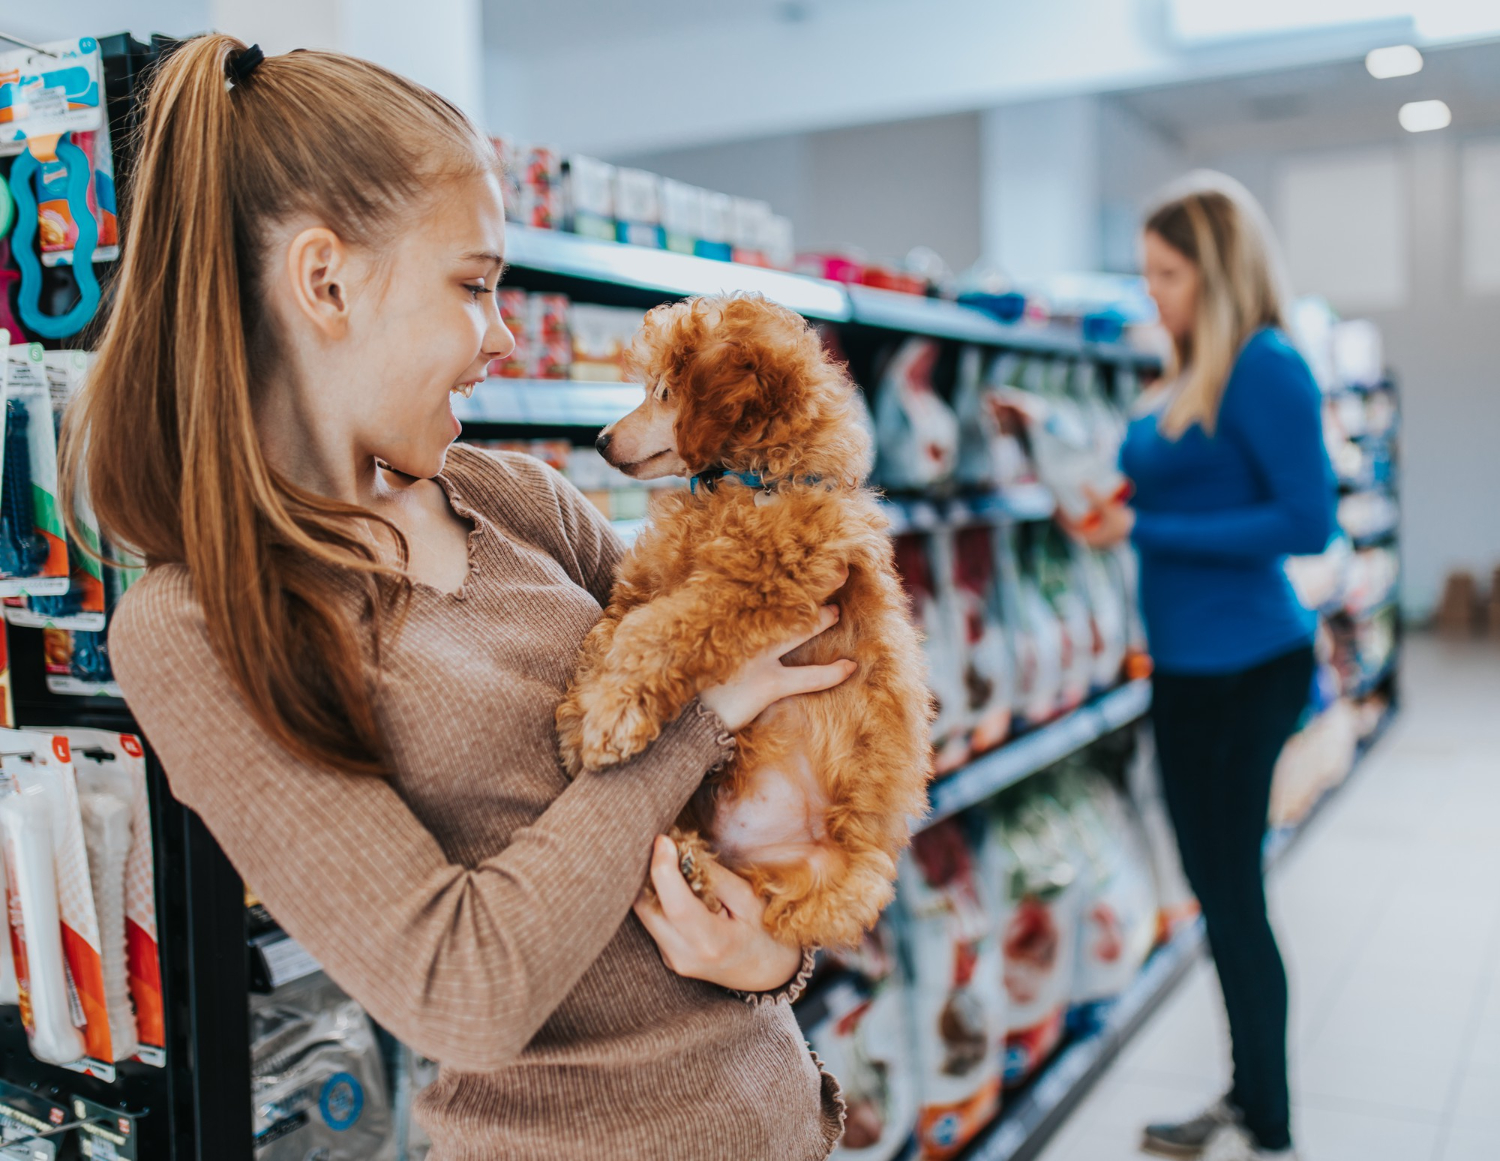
(828, 616)
(735, 893)
(674, 949)
(678, 903)
(812, 678)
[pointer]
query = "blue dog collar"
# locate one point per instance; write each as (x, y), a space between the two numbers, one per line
(749, 479)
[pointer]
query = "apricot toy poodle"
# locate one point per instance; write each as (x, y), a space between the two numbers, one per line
(815, 806)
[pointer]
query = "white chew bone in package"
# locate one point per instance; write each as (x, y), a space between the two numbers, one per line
(9, 993)
(106, 834)
(26, 824)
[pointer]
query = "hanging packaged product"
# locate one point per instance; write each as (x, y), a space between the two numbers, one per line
(916, 432)
(638, 208)
(588, 197)
(1035, 632)
(936, 619)
(1030, 873)
(1051, 565)
(33, 548)
(111, 769)
(77, 662)
(43, 816)
(82, 606)
(1068, 458)
(317, 1082)
(601, 335)
(24, 1114)
(856, 1021)
(49, 96)
(989, 679)
(958, 1001)
(59, 230)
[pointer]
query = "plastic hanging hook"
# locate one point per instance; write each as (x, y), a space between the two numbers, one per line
(29, 300)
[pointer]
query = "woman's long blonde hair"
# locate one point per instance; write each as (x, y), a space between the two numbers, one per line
(164, 430)
(1215, 223)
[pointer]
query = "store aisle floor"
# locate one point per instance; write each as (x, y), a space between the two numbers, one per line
(1388, 911)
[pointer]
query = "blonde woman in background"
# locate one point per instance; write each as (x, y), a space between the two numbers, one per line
(1231, 477)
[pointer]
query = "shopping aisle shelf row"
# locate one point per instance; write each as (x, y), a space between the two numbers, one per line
(663, 272)
(1025, 1127)
(990, 773)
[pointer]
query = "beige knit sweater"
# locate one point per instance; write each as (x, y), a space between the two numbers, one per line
(478, 903)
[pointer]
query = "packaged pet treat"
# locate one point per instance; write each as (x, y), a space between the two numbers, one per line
(1029, 871)
(1035, 632)
(317, 1080)
(601, 335)
(114, 765)
(988, 669)
(589, 197)
(541, 188)
(716, 233)
(748, 222)
(550, 335)
(856, 1020)
(37, 769)
(681, 215)
(940, 642)
(515, 313)
(958, 1002)
(638, 208)
(33, 551)
(780, 242)
(512, 160)
(57, 229)
(916, 432)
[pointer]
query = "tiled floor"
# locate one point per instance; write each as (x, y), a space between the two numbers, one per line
(1388, 910)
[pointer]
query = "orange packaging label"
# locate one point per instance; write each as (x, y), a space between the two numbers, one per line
(943, 1130)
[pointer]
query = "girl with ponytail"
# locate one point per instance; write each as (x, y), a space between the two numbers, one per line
(351, 637)
(1231, 477)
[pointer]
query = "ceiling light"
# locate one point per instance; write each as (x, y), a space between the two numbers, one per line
(1420, 116)
(1399, 60)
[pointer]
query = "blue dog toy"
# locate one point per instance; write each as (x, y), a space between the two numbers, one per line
(28, 300)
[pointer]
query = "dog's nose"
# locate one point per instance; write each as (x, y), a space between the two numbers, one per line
(602, 442)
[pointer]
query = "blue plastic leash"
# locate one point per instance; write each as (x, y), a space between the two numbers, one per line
(28, 300)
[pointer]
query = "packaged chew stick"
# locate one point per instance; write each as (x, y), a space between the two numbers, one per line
(33, 551)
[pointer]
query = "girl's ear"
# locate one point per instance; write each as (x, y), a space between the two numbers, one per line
(317, 267)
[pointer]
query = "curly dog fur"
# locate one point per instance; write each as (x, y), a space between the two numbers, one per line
(815, 806)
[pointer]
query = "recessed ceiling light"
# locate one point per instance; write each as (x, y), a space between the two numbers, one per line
(1420, 116)
(1399, 60)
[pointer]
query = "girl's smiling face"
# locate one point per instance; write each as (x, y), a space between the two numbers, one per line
(427, 328)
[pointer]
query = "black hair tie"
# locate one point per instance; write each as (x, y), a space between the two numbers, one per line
(239, 67)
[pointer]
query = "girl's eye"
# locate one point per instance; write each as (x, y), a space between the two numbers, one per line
(476, 291)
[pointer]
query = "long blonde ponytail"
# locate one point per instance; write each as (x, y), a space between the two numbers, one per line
(293, 595)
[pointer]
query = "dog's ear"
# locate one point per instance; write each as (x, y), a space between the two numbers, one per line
(722, 406)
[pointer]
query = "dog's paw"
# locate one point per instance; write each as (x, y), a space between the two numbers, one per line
(614, 733)
(570, 735)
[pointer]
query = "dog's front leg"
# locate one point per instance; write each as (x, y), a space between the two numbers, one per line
(665, 653)
(591, 655)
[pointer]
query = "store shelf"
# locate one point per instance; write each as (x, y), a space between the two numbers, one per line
(558, 402)
(556, 252)
(940, 318)
(1021, 502)
(990, 773)
(1028, 1123)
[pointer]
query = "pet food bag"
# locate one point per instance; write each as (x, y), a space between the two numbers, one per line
(1035, 634)
(317, 1082)
(987, 667)
(1105, 599)
(916, 432)
(934, 617)
(858, 1023)
(1117, 913)
(1052, 567)
(978, 428)
(958, 1001)
(1036, 883)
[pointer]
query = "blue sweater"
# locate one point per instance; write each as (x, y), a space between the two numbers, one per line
(1217, 516)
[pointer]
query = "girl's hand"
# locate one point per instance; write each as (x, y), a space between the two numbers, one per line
(763, 680)
(731, 948)
(1112, 523)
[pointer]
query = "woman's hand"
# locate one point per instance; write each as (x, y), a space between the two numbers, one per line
(731, 948)
(763, 680)
(1111, 522)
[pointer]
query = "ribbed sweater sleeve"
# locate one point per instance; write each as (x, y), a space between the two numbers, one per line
(1273, 409)
(464, 963)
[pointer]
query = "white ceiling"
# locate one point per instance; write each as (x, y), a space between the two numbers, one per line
(513, 25)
